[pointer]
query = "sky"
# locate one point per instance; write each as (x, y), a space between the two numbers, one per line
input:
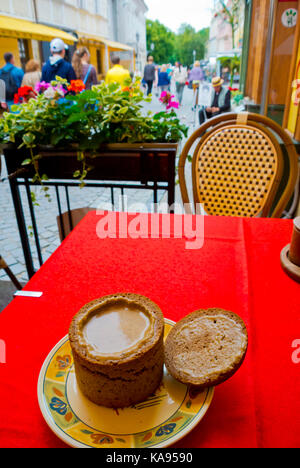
(172, 13)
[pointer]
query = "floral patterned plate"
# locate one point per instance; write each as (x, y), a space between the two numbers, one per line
(161, 420)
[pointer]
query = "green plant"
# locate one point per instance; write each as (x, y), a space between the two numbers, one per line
(236, 95)
(85, 121)
(233, 64)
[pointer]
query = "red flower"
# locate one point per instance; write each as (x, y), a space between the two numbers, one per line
(24, 94)
(76, 86)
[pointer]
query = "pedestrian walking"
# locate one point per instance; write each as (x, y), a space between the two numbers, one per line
(117, 74)
(149, 74)
(83, 69)
(163, 79)
(12, 77)
(180, 78)
(196, 76)
(221, 101)
(33, 74)
(57, 65)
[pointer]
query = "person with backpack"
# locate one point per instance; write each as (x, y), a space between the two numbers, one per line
(164, 79)
(57, 65)
(12, 77)
(83, 69)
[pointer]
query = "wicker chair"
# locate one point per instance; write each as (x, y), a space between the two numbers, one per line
(3, 265)
(238, 166)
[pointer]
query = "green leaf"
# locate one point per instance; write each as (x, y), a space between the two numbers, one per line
(26, 162)
(80, 156)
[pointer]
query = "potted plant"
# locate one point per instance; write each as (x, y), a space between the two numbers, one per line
(65, 131)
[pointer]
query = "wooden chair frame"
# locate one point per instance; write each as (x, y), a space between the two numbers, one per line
(5, 267)
(267, 126)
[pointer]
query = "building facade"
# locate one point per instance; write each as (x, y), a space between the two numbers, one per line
(105, 28)
(221, 37)
(127, 24)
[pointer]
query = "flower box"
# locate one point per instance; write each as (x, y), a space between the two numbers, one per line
(144, 163)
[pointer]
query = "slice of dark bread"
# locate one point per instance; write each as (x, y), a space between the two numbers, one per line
(206, 347)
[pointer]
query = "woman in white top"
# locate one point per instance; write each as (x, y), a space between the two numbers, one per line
(180, 77)
(3, 105)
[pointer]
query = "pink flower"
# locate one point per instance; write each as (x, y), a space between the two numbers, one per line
(173, 105)
(167, 99)
(41, 86)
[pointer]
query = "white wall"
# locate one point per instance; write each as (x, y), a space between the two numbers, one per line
(18, 8)
(127, 23)
(64, 14)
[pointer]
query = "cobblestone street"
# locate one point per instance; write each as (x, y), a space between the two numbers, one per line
(46, 212)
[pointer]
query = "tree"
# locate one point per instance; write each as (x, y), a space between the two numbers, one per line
(168, 47)
(188, 41)
(160, 42)
(230, 12)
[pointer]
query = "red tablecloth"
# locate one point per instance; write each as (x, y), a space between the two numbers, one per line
(238, 269)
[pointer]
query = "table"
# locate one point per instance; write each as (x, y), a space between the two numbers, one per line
(143, 166)
(237, 269)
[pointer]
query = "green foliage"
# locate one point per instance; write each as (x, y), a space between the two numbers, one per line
(106, 114)
(170, 47)
(163, 40)
(189, 40)
(232, 63)
(85, 121)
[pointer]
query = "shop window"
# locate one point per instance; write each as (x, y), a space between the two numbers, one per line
(23, 52)
(99, 62)
(98, 7)
(81, 4)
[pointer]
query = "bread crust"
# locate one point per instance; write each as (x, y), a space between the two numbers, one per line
(201, 381)
(131, 377)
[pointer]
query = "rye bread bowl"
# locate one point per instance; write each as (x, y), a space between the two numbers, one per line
(206, 347)
(128, 376)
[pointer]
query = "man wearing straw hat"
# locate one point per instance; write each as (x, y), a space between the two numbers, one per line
(221, 101)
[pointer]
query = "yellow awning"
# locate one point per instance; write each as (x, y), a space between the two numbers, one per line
(118, 45)
(85, 38)
(23, 29)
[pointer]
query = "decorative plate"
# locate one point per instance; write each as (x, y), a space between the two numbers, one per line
(161, 420)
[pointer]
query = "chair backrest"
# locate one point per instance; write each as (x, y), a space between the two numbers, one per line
(67, 222)
(237, 166)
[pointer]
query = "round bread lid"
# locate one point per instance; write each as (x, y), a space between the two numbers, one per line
(206, 347)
